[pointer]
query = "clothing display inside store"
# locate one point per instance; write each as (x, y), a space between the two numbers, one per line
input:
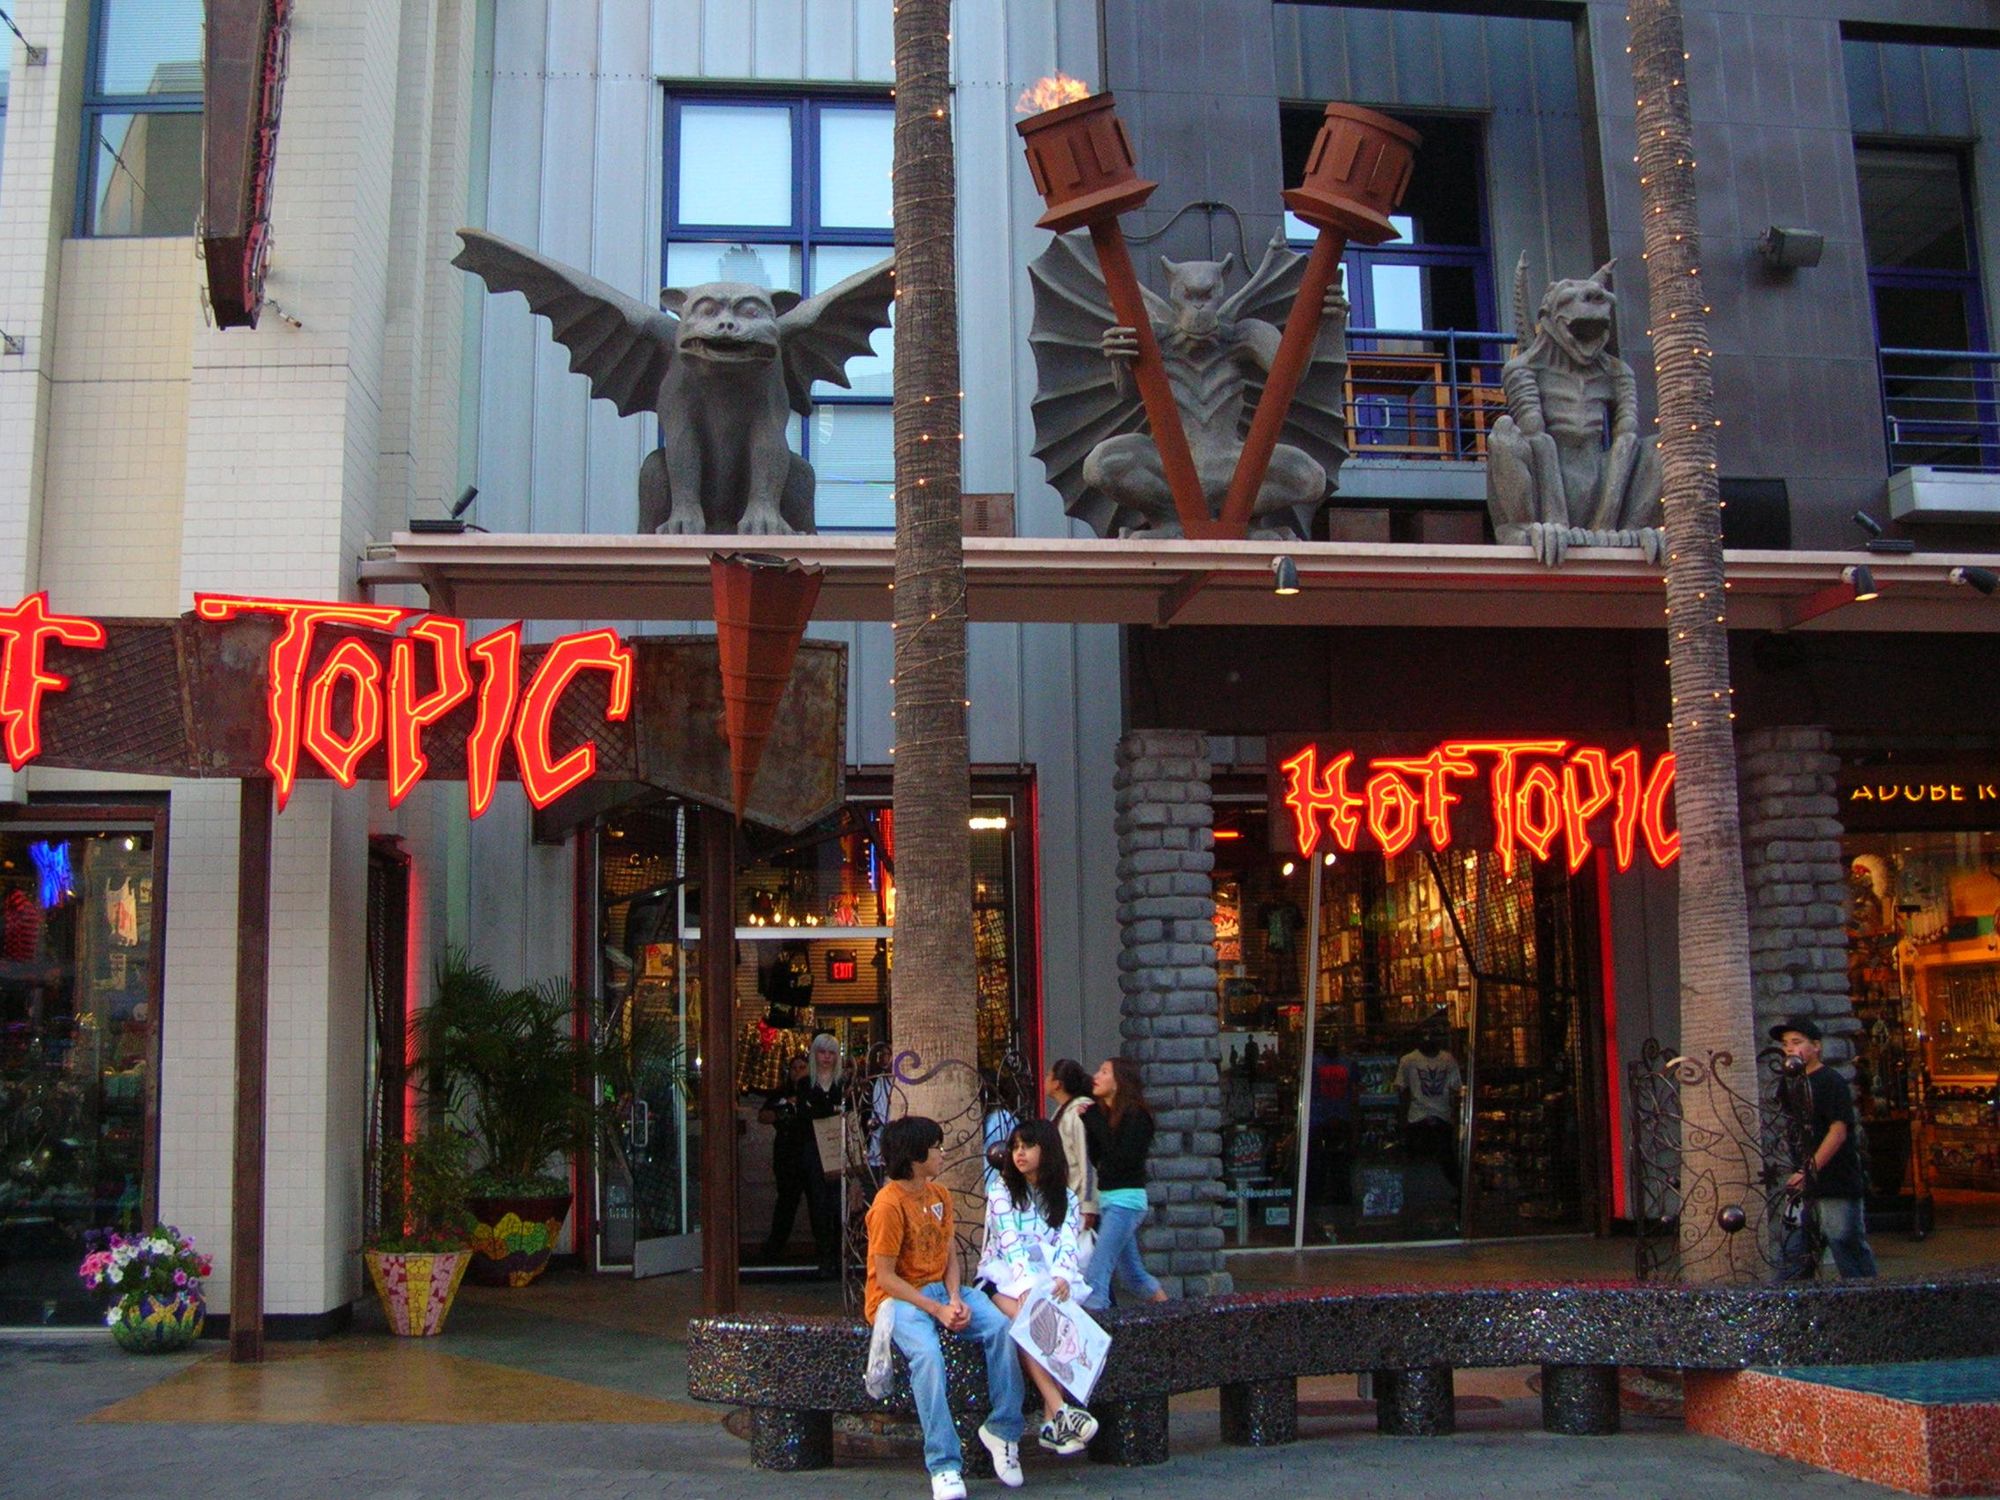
(1410, 950)
(1924, 971)
(78, 1037)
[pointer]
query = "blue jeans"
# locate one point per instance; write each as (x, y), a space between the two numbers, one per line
(1844, 1224)
(1117, 1253)
(916, 1334)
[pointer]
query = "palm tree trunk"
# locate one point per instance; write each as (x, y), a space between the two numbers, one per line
(1717, 1010)
(933, 994)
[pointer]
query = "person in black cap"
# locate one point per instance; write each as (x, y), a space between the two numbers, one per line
(1830, 1177)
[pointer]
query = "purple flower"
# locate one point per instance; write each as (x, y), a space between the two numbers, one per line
(180, 1278)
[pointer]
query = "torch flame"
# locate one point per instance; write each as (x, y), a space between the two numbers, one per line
(1051, 93)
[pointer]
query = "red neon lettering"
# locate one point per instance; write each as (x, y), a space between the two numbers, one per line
(1625, 820)
(317, 736)
(500, 654)
(1309, 794)
(1580, 807)
(1392, 811)
(1505, 752)
(1665, 847)
(1436, 771)
(287, 664)
(409, 715)
(27, 629)
(1538, 810)
(544, 779)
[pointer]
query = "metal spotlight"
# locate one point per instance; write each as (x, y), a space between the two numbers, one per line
(1284, 576)
(1862, 581)
(464, 502)
(1979, 578)
(1867, 523)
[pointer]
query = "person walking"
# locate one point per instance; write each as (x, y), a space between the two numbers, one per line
(1829, 1179)
(913, 1263)
(1032, 1218)
(1119, 1129)
(1068, 1088)
(814, 1092)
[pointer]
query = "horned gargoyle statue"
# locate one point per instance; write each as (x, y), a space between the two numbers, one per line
(1550, 480)
(1217, 346)
(722, 366)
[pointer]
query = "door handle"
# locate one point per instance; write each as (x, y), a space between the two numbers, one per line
(642, 1125)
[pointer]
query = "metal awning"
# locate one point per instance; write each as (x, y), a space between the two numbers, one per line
(476, 575)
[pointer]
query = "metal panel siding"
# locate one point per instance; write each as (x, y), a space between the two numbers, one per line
(1420, 71)
(569, 126)
(778, 40)
(875, 40)
(829, 39)
(1946, 86)
(1862, 62)
(725, 39)
(624, 252)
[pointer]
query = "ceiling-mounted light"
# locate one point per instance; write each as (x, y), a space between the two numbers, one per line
(1982, 579)
(1862, 581)
(1286, 869)
(1329, 857)
(1284, 576)
(986, 824)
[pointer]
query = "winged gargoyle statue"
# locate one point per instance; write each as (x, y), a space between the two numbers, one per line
(1550, 480)
(1090, 424)
(722, 365)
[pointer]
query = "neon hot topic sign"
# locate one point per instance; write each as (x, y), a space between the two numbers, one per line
(1542, 791)
(382, 702)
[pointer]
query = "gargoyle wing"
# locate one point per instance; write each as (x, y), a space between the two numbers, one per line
(821, 334)
(623, 345)
(1078, 400)
(1317, 421)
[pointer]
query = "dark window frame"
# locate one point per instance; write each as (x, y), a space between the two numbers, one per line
(96, 105)
(805, 231)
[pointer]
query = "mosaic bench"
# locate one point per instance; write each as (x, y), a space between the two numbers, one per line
(794, 1373)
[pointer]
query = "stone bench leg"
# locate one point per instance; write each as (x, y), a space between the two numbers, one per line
(1415, 1403)
(1260, 1413)
(790, 1440)
(1580, 1400)
(1130, 1433)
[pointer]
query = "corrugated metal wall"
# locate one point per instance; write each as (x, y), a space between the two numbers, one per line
(575, 167)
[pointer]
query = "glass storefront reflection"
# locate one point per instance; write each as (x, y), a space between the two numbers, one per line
(78, 998)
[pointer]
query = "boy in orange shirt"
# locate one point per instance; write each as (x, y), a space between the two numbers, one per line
(912, 1260)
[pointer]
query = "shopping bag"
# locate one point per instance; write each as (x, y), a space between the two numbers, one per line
(832, 1142)
(880, 1376)
(1064, 1340)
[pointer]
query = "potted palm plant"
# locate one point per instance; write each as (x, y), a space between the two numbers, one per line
(532, 1088)
(419, 1255)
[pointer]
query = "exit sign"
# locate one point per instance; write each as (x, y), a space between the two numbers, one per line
(840, 966)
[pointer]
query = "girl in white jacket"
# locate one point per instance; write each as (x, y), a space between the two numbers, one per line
(1032, 1219)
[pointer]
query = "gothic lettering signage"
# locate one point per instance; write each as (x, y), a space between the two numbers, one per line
(1545, 798)
(352, 692)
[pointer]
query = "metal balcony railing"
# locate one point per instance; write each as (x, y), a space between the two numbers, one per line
(1423, 394)
(1941, 407)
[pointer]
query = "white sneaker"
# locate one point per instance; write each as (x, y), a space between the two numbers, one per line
(948, 1485)
(1006, 1456)
(1068, 1431)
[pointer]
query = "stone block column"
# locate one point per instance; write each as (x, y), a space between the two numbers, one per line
(1166, 962)
(1796, 878)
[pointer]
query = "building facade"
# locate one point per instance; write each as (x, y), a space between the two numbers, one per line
(150, 455)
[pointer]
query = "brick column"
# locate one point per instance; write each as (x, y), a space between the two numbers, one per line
(1796, 877)
(1166, 931)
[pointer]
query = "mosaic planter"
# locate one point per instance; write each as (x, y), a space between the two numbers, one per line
(417, 1288)
(146, 1324)
(515, 1237)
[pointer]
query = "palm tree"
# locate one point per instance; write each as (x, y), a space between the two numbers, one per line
(1717, 1009)
(932, 1009)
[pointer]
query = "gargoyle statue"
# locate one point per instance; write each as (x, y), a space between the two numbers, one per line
(722, 366)
(1090, 425)
(1550, 480)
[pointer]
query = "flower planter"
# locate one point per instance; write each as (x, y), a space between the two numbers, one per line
(145, 1324)
(417, 1287)
(515, 1237)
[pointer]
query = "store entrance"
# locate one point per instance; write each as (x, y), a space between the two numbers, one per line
(1407, 1045)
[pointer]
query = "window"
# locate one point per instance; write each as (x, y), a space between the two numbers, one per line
(1923, 276)
(1424, 361)
(142, 120)
(794, 194)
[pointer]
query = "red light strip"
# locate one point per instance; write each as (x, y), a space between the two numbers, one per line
(543, 778)
(409, 715)
(27, 629)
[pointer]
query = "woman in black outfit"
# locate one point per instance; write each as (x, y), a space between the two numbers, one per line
(1119, 1130)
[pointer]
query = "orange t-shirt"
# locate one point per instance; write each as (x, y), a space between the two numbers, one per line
(914, 1225)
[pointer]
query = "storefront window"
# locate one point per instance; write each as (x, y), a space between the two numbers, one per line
(78, 1031)
(1924, 973)
(1441, 1003)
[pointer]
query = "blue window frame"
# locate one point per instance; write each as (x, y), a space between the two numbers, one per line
(141, 172)
(793, 193)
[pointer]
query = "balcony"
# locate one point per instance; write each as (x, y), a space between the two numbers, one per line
(1941, 423)
(1423, 395)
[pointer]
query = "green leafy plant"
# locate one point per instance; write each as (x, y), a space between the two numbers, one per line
(514, 1066)
(424, 1185)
